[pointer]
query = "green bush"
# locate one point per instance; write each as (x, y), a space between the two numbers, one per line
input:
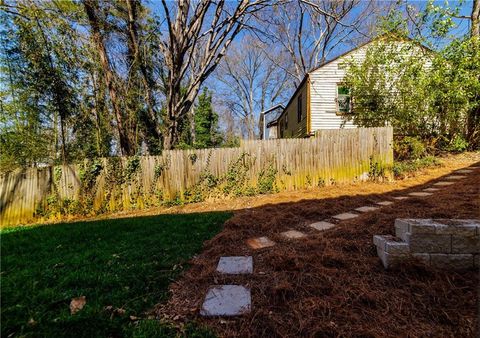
(404, 168)
(266, 180)
(457, 144)
(409, 148)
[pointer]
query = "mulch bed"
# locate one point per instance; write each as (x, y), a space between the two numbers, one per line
(332, 283)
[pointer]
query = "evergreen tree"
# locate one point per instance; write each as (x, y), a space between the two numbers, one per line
(207, 134)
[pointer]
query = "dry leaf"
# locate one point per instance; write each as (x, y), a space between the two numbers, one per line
(134, 318)
(77, 304)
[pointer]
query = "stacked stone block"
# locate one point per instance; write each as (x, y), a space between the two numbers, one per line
(444, 243)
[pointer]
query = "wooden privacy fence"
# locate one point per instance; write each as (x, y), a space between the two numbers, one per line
(113, 184)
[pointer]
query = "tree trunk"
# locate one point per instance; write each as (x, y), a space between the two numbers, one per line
(91, 8)
(475, 32)
(177, 107)
(150, 121)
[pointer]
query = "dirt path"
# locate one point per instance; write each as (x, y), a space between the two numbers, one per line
(332, 283)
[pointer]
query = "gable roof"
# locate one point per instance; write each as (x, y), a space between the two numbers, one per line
(379, 37)
(384, 36)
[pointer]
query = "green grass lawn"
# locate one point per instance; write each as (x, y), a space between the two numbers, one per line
(123, 263)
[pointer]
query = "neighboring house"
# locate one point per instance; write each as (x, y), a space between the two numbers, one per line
(268, 122)
(321, 101)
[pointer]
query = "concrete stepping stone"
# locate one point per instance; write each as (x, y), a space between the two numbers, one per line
(293, 234)
(260, 243)
(366, 209)
(345, 216)
(464, 171)
(385, 203)
(420, 194)
(235, 265)
(322, 225)
(226, 300)
(400, 197)
(431, 189)
(455, 177)
(443, 183)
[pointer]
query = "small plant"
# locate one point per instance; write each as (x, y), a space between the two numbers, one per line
(308, 179)
(173, 202)
(192, 158)
(376, 171)
(266, 180)
(457, 144)
(409, 148)
(236, 176)
(407, 168)
(57, 174)
(286, 171)
(132, 167)
(89, 173)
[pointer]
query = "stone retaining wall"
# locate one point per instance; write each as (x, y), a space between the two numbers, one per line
(443, 243)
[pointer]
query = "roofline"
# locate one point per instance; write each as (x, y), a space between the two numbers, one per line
(272, 123)
(381, 36)
(342, 55)
(269, 110)
(305, 77)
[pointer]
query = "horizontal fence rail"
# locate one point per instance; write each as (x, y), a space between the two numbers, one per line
(177, 176)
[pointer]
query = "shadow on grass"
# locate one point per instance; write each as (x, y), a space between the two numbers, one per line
(126, 264)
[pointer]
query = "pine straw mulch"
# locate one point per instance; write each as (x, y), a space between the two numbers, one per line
(332, 283)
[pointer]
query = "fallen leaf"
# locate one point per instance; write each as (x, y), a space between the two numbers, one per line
(134, 318)
(32, 322)
(77, 304)
(120, 311)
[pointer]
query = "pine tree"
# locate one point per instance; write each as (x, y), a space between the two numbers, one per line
(206, 122)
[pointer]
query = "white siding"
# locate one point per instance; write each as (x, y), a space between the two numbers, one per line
(323, 87)
(323, 93)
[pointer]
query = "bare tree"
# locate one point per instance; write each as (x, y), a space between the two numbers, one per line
(197, 37)
(311, 31)
(250, 81)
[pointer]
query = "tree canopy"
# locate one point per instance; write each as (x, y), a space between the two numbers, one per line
(96, 78)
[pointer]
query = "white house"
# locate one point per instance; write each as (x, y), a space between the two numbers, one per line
(321, 101)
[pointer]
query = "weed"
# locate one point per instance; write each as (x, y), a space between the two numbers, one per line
(406, 168)
(266, 180)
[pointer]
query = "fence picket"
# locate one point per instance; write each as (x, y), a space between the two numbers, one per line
(339, 155)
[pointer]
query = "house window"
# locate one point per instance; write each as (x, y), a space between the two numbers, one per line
(286, 120)
(344, 100)
(299, 108)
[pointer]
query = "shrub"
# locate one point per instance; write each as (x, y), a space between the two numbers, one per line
(409, 148)
(266, 180)
(405, 168)
(457, 144)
